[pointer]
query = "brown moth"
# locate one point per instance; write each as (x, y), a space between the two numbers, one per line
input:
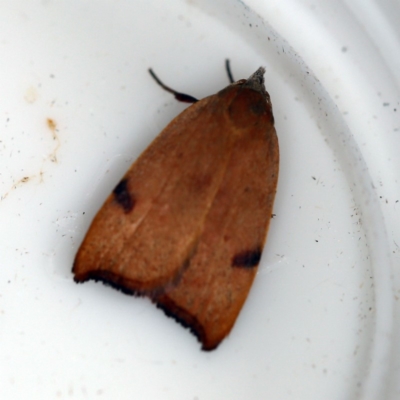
(187, 223)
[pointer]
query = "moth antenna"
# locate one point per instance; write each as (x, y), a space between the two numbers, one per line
(228, 70)
(185, 98)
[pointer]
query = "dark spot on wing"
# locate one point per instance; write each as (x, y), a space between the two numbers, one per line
(247, 259)
(123, 197)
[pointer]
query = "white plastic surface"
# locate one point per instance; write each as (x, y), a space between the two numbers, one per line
(78, 106)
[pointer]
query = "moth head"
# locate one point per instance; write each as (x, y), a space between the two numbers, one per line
(255, 82)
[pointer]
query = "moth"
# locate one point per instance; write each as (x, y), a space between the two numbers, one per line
(187, 224)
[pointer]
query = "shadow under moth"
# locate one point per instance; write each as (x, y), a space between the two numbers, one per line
(187, 223)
